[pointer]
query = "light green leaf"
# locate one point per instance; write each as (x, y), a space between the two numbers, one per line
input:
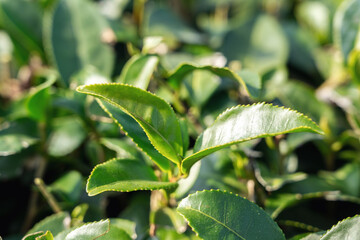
(126, 225)
(14, 143)
(67, 135)
(347, 229)
(308, 236)
(39, 100)
(252, 84)
(72, 34)
(244, 123)
(152, 113)
(54, 223)
(122, 147)
(89, 231)
(227, 216)
(123, 175)
(138, 71)
(347, 26)
(115, 233)
(136, 133)
(46, 236)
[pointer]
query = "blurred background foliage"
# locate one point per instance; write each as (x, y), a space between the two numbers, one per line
(301, 54)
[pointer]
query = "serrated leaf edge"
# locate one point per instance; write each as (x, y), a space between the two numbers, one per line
(338, 223)
(255, 137)
(224, 192)
(116, 190)
(79, 89)
(91, 223)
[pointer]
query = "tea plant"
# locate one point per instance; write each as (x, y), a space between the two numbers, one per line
(179, 119)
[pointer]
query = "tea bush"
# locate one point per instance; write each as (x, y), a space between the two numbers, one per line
(179, 119)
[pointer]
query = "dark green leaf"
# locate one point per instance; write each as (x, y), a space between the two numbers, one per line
(123, 176)
(346, 26)
(152, 113)
(70, 185)
(14, 143)
(227, 216)
(73, 33)
(25, 28)
(244, 123)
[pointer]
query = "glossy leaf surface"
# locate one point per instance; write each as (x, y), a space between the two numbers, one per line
(123, 176)
(89, 231)
(136, 133)
(75, 43)
(345, 230)
(227, 216)
(244, 123)
(152, 113)
(138, 71)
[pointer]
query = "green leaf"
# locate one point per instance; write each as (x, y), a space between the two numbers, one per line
(39, 100)
(252, 84)
(244, 123)
(70, 185)
(90, 231)
(25, 28)
(46, 236)
(126, 225)
(123, 175)
(308, 236)
(227, 216)
(115, 233)
(138, 71)
(152, 113)
(54, 223)
(345, 230)
(14, 143)
(72, 34)
(136, 133)
(67, 135)
(347, 26)
(33, 236)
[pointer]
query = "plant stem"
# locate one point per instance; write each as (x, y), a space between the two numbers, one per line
(48, 196)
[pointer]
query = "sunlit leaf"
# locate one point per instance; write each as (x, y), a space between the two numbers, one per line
(345, 230)
(244, 123)
(227, 216)
(123, 176)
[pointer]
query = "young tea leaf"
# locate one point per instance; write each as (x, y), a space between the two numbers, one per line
(222, 215)
(152, 113)
(54, 223)
(123, 175)
(244, 123)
